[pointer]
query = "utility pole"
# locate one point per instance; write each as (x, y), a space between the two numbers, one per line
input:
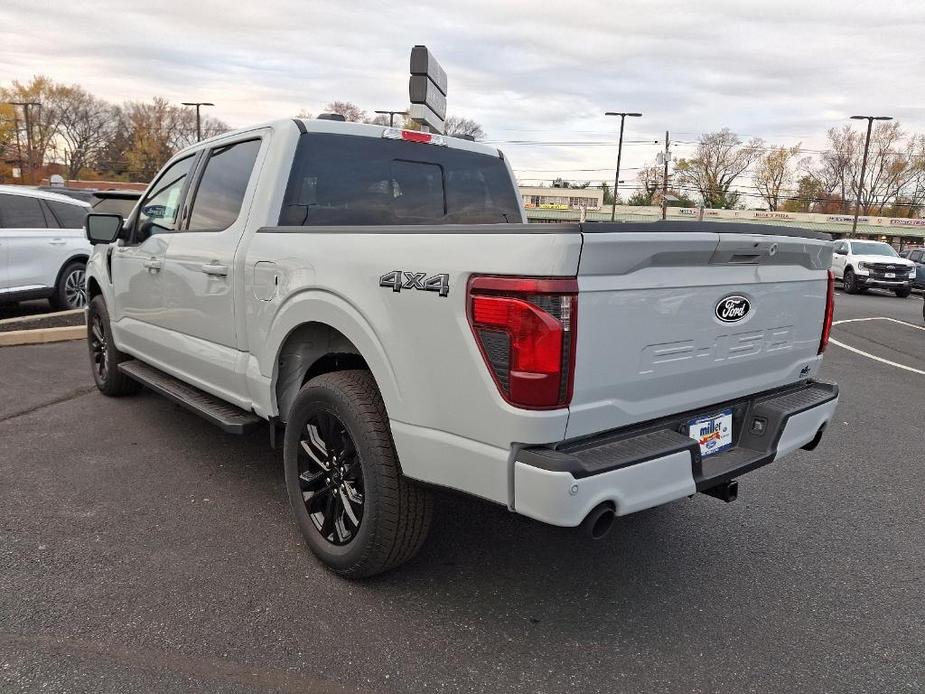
(391, 115)
(198, 104)
(26, 105)
(616, 178)
(18, 143)
(857, 205)
(665, 180)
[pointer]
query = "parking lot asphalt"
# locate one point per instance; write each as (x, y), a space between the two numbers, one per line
(142, 549)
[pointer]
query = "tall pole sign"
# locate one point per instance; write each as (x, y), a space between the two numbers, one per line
(427, 89)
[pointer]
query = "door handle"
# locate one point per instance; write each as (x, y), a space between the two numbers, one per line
(215, 269)
(57, 242)
(152, 264)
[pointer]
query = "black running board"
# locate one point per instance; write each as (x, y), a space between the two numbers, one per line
(226, 416)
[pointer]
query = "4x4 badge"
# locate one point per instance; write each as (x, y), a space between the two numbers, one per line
(398, 280)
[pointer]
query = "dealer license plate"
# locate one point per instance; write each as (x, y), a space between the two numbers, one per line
(890, 275)
(713, 433)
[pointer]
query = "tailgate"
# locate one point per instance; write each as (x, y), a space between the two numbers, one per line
(674, 321)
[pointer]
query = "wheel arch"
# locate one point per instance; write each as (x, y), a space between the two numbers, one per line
(93, 288)
(313, 325)
(82, 257)
(309, 350)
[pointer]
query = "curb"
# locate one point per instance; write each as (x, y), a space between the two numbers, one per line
(40, 316)
(40, 336)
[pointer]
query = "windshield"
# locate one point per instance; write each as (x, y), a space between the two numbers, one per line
(872, 248)
(346, 180)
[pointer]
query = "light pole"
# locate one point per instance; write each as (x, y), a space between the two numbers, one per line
(391, 115)
(616, 178)
(26, 105)
(198, 104)
(857, 205)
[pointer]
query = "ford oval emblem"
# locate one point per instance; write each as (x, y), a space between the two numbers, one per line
(733, 308)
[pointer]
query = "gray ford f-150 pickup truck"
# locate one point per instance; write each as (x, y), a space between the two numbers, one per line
(375, 294)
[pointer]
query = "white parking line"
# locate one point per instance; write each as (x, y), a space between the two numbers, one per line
(874, 356)
(894, 320)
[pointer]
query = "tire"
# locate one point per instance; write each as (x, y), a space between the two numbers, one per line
(71, 290)
(105, 357)
(338, 452)
(903, 292)
(850, 282)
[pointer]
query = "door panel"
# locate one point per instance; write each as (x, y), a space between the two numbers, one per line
(200, 274)
(137, 265)
(4, 272)
(35, 256)
(27, 252)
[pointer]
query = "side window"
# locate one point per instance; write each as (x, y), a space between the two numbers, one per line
(916, 256)
(221, 189)
(68, 216)
(21, 212)
(160, 208)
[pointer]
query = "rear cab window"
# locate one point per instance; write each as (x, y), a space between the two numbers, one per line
(356, 180)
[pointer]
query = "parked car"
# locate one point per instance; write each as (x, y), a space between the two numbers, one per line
(917, 256)
(76, 193)
(864, 264)
(376, 294)
(43, 247)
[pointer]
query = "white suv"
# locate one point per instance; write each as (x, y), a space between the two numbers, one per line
(864, 264)
(43, 247)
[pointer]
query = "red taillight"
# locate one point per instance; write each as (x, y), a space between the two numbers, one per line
(525, 328)
(415, 136)
(829, 313)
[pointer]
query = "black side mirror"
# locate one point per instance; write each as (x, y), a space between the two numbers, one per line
(103, 228)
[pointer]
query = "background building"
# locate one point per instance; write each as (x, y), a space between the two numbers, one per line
(554, 198)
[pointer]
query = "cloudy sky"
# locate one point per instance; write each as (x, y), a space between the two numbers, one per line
(528, 71)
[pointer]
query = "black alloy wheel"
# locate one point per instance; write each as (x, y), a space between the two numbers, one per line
(99, 355)
(105, 357)
(356, 511)
(331, 478)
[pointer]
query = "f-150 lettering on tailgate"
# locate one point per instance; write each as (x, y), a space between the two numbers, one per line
(669, 356)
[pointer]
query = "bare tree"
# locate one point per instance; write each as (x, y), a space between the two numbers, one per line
(773, 172)
(378, 119)
(834, 170)
(456, 126)
(348, 110)
(152, 127)
(888, 167)
(85, 128)
(720, 159)
(650, 177)
(44, 119)
(184, 133)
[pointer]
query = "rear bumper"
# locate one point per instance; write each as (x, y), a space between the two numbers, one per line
(651, 464)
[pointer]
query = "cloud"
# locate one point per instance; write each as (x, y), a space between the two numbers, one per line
(526, 70)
